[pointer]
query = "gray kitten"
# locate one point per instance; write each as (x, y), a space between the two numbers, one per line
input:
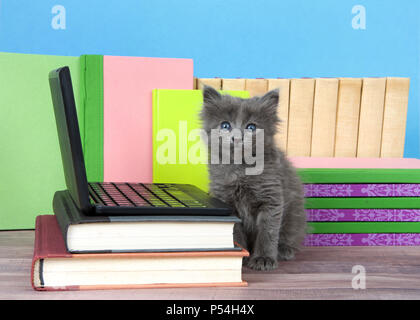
(270, 204)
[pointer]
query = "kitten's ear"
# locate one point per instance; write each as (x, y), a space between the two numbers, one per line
(270, 101)
(210, 95)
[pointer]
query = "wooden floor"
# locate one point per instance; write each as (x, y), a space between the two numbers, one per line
(317, 273)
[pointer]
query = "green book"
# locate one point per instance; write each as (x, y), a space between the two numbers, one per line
(177, 149)
(363, 227)
(92, 104)
(30, 162)
(359, 175)
(363, 203)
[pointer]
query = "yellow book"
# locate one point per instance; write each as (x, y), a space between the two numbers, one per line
(179, 155)
(348, 109)
(283, 109)
(300, 117)
(216, 83)
(371, 118)
(256, 87)
(324, 118)
(233, 84)
(395, 117)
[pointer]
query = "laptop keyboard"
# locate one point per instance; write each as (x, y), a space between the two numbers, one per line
(141, 195)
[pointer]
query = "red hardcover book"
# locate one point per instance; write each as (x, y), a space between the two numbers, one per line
(53, 268)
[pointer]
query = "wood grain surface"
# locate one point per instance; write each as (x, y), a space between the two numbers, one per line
(317, 273)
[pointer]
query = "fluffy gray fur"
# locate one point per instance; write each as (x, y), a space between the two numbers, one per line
(270, 205)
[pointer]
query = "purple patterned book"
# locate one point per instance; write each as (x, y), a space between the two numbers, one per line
(361, 190)
(355, 215)
(364, 240)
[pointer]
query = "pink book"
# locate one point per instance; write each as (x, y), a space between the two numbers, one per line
(128, 85)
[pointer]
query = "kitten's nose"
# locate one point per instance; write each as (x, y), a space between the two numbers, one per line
(235, 140)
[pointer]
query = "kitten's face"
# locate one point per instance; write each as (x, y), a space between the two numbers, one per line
(229, 114)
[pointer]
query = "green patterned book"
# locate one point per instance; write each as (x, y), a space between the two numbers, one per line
(363, 203)
(363, 227)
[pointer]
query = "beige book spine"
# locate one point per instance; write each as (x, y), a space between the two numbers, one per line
(324, 118)
(395, 117)
(371, 118)
(233, 84)
(300, 117)
(283, 109)
(216, 83)
(256, 87)
(347, 124)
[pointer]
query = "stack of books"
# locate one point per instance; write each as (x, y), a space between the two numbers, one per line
(362, 202)
(74, 251)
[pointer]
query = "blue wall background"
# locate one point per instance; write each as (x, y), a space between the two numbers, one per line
(234, 38)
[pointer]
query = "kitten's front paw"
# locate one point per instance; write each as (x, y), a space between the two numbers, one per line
(286, 253)
(245, 261)
(262, 263)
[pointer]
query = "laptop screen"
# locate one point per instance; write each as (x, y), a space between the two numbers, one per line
(69, 136)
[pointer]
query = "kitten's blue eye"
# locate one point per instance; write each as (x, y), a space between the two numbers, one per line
(225, 125)
(251, 127)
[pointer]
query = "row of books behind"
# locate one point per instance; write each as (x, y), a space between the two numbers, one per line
(334, 117)
(77, 252)
(129, 99)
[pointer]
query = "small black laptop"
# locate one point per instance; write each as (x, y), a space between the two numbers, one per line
(108, 198)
